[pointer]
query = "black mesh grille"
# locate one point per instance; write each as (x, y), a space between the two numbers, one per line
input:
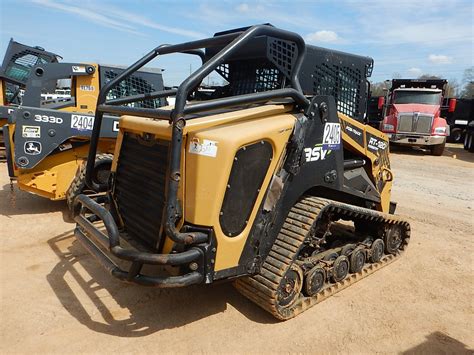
(261, 74)
(223, 70)
(247, 77)
(283, 54)
(322, 72)
(343, 83)
(139, 189)
(133, 85)
(21, 63)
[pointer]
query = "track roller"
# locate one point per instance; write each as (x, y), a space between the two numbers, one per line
(376, 250)
(393, 239)
(340, 269)
(347, 249)
(290, 286)
(357, 260)
(331, 256)
(294, 278)
(314, 280)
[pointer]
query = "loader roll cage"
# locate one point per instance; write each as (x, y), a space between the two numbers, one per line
(197, 240)
(233, 42)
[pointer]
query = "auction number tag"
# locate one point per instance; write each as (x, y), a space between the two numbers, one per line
(82, 123)
(332, 136)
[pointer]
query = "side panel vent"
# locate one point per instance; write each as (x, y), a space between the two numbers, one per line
(246, 177)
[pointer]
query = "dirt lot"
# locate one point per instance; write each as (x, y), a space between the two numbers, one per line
(56, 298)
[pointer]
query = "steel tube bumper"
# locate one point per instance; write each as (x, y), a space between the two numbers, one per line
(90, 236)
(406, 139)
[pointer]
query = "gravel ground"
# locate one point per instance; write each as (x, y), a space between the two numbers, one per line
(55, 297)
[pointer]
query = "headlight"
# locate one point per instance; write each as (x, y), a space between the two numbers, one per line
(388, 127)
(441, 130)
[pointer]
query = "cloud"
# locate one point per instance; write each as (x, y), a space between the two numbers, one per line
(248, 13)
(117, 18)
(143, 21)
(399, 27)
(244, 8)
(439, 59)
(322, 36)
(415, 71)
(89, 15)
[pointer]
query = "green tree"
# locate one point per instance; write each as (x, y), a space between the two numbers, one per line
(428, 76)
(452, 88)
(376, 89)
(468, 82)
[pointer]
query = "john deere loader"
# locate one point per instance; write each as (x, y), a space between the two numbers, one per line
(14, 72)
(272, 181)
(47, 136)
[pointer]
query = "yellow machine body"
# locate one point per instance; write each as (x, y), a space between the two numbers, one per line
(3, 120)
(52, 177)
(204, 179)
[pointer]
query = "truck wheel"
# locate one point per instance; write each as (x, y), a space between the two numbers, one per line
(456, 135)
(437, 149)
(466, 140)
(470, 143)
(103, 163)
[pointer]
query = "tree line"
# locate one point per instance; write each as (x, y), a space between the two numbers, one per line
(465, 89)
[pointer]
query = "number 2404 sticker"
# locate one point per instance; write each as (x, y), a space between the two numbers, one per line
(332, 136)
(82, 123)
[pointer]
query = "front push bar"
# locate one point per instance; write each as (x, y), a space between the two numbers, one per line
(89, 236)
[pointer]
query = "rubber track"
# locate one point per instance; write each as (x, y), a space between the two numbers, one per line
(79, 182)
(262, 287)
(3, 152)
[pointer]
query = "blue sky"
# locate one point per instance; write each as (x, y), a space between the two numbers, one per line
(406, 37)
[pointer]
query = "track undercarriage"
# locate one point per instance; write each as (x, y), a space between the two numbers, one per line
(3, 153)
(314, 257)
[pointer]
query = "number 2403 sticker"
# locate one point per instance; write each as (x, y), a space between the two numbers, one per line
(332, 136)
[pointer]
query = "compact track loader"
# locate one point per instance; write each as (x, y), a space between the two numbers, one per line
(47, 136)
(271, 180)
(14, 72)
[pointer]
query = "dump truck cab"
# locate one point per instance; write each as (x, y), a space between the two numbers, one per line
(412, 114)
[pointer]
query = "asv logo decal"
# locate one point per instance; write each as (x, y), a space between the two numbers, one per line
(32, 147)
(316, 153)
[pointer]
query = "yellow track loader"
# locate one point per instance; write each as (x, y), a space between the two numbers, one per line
(47, 144)
(272, 181)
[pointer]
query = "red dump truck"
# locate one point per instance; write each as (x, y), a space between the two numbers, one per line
(412, 113)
